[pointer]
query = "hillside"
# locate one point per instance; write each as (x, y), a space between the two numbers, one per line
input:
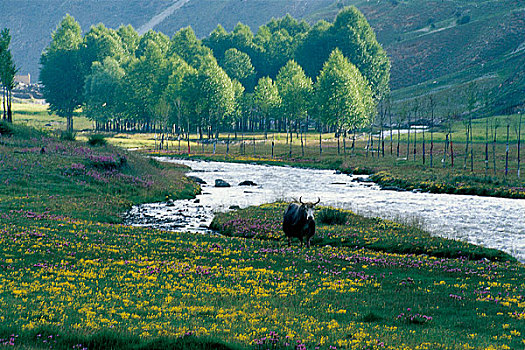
(436, 46)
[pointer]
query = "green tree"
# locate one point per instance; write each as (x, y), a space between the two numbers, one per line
(129, 38)
(218, 93)
(61, 71)
(238, 66)
(343, 97)
(145, 83)
(101, 42)
(185, 44)
(353, 35)
(8, 71)
(103, 91)
(159, 39)
(178, 70)
(295, 89)
(267, 99)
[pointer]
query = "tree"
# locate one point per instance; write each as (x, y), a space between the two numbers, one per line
(185, 44)
(8, 71)
(103, 91)
(129, 38)
(352, 34)
(218, 93)
(267, 99)
(144, 86)
(343, 97)
(295, 89)
(101, 42)
(178, 71)
(61, 71)
(238, 66)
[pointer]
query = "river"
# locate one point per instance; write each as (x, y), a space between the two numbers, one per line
(492, 222)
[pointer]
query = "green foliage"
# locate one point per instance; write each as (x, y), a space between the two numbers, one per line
(343, 96)
(62, 70)
(238, 65)
(68, 135)
(295, 89)
(97, 140)
(331, 216)
(6, 129)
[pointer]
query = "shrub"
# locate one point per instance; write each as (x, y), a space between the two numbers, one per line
(68, 136)
(463, 20)
(107, 162)
(6, 129)
(97, 140)
(331, 216)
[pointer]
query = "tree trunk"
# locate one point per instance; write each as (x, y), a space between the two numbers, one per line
(467, 129)
(451, 152)
(507, 152)
(408, 141)
(494, 148)
(320, 140)
(9, 102)
(69, 125)
(486, 147)
(519, 144)
(471, 147)
(423, 145)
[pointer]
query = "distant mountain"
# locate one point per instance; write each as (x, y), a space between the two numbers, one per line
(436, 46)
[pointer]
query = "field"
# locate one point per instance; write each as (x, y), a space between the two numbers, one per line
(73, 277)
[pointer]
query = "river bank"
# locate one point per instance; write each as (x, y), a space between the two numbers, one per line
(401, 175)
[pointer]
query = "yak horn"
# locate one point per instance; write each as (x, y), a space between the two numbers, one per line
(300, 200)
(318, 200)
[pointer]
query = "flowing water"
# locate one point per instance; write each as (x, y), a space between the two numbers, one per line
(488, 221)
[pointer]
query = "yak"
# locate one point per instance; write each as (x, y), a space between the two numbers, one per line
(299, 221)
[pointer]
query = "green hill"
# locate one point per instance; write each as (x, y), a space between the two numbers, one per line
(436, 46)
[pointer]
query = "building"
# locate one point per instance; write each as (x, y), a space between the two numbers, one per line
(24, 79)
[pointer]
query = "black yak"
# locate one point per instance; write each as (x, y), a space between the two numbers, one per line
(299, 221)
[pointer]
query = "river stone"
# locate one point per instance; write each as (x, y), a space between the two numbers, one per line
(393, 188)
(234, 207)
(247, 183)
(197, 179)
(170, 203)
(221, 183)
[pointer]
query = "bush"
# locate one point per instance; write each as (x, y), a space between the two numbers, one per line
(331, 216)
(97, 140)
(68, 136)
(6, 129)
(463, 20)
(107, 162)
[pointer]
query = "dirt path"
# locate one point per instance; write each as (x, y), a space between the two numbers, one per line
(157, 19)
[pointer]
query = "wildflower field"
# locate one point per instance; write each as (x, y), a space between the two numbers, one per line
(72, 277)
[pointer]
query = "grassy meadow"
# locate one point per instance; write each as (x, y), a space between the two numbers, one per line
(73, 277)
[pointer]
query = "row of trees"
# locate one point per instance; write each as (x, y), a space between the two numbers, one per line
(233, 81)
(8, 71)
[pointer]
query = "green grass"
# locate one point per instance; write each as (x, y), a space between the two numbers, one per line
(69, 281)
(350, 230)
(38, 170)
(37, 116)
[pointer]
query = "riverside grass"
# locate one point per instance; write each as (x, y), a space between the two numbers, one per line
(70, 281)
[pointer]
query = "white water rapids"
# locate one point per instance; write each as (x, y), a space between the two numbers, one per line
(492, 222)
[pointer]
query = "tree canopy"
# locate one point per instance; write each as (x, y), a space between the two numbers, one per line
(183, 83)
